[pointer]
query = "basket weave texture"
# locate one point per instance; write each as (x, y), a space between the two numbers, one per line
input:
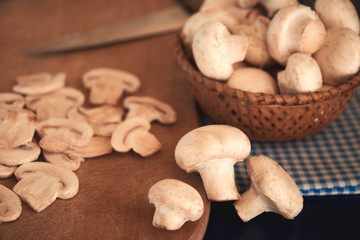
(266, 117)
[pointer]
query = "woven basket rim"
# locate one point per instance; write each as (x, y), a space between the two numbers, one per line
(260, 98)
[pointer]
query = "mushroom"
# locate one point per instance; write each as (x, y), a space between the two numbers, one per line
(175, 203)
(40, 83)
(212, 151)
(134, 134)
(10, 101)
(10, 205)
(21, 154)
(301, 75)
(108, 85)
(253, 80)
(55, 104)
(60, 134)
(294, 29)
(216, 50)
(103, 119)
(339, 58)
(271, 6)
(257, 53)
(271, 190)
(150, 109)
(6, 171)
(40, 183)
(338, 14)
(64, 159)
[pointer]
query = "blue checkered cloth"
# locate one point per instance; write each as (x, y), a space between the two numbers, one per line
(327, 163)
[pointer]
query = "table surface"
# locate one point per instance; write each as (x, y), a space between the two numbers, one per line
(323, 217)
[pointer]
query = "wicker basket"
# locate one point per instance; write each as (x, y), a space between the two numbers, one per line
(266, 117)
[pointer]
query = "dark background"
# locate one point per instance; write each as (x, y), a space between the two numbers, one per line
(323, 217)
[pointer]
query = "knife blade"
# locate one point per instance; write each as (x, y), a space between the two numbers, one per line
(154, 24)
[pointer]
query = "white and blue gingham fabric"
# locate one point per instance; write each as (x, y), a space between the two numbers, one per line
(327, 163)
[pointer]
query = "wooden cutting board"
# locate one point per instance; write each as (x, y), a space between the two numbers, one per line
(112, 200)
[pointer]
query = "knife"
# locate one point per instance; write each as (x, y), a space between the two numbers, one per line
(156, 23)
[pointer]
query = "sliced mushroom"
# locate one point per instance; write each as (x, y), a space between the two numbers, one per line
(40, 183)
(175, 203)
(64, 159)
(150, 109)
(10, 101)
(40, 83)
(25, 153)
(108, 85)
(134, 134)
(97, 146)
(6, 171)
(103, 119)
(55, 104)
(10, 205)
(17, 128)
(60, 134)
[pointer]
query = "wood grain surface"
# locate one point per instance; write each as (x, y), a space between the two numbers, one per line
(112, 200)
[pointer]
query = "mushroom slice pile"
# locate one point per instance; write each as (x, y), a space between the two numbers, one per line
(150, 109)
(10, 101)
(108, 85)
(41, 183)
(134, 134)
(10, 205)
(176, 203)
(212, 151)
(39, 83)
(271, 190)
(60, 134)
(72, 158)
(17, 145)
(103, 119)
(55, 104)
(6, 171)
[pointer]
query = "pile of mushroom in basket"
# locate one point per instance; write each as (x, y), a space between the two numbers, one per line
(327, 163)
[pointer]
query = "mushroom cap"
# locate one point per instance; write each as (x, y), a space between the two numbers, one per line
(10, 205)
(150, 108)
(107, 85)
(270, 179)
(209, 143)
(338, 14)
(22, 154)
(39, 83)
(253, 80)
(301, 75)
(64, 159)
(216, 50)
(69, 182)
(339, 58)
(6, 171)
(294, 29)
(178, 196)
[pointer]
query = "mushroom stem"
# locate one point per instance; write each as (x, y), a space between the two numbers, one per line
(165, 217)
(219, 180)
(251, 205)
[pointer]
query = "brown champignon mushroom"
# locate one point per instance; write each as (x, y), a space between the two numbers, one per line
(150, 109)
(301, 75)
(103, 119)
(55, 104)
(338, 14)
(271, 190)
(339, 58)
(134, 134)
(216, 50)
(60, 134)
(212, 151)
(253, 80)
(108, 85)
(10, 205)
(40, 183)
(40, 83)
(175, 203)
(294, 29)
